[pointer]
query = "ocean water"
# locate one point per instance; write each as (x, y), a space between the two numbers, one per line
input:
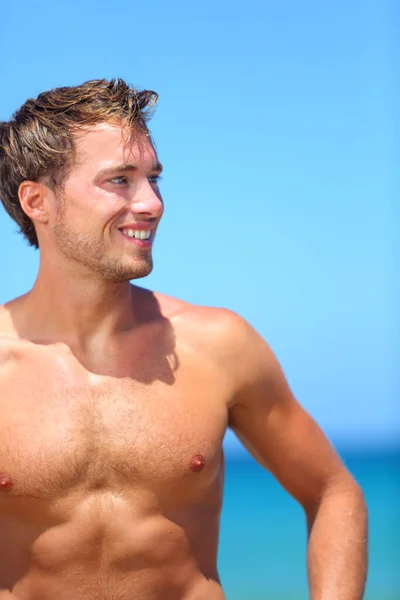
(263, 532)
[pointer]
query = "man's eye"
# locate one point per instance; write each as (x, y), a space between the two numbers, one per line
(154, 179)
(119, 180)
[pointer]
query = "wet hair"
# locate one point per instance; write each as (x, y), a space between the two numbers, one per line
(37, 144)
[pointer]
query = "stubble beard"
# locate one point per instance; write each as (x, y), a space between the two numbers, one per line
(93, 255)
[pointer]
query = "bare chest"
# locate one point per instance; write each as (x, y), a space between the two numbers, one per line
(62, 430)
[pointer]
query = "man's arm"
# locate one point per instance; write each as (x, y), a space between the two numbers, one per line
(280, 434)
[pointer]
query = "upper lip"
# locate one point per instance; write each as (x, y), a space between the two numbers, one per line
(138, 226)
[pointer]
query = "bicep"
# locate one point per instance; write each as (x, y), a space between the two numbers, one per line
(280, 434)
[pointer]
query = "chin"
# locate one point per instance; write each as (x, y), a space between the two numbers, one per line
(140, 274)
(127, 273)
(142, 269)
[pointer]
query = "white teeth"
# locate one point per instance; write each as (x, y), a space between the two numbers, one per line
(139, 234)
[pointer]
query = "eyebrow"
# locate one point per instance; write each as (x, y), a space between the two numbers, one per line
(127, 167)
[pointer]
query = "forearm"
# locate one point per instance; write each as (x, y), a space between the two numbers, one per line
(337, 555)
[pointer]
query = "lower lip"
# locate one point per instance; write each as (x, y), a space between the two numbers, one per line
(136, 242)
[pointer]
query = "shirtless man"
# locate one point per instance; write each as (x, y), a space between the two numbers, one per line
(115, 400)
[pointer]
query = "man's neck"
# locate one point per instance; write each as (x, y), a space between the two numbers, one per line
(80, 313)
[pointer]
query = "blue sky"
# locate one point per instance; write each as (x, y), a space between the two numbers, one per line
(276, 128)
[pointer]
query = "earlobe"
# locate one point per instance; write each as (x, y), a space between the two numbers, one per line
(32, 197)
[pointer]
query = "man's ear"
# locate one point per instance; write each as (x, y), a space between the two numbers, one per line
(32, 196)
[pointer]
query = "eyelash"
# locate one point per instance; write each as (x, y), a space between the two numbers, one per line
(154, 179)
(113, 180)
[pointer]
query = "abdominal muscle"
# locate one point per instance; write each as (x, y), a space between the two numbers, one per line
(109, 547)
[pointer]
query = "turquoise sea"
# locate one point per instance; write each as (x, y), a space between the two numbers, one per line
(263, 535)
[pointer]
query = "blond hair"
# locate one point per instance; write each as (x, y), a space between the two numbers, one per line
(37, 143)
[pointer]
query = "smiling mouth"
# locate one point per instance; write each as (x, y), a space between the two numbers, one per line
(138, 237)
(137, 234)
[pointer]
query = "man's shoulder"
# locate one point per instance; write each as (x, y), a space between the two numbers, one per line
(10, 342)
(214, 326)
(7, 327)
(219, 322)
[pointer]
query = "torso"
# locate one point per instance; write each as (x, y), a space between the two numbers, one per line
(111, 473)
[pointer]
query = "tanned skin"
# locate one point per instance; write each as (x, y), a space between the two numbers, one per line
(114, 404)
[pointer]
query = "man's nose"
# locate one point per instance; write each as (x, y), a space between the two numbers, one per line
(148, 200)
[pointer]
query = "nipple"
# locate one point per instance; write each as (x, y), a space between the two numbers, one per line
(197, 463)
(6, 482)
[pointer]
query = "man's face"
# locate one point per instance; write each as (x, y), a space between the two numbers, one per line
(108, 211)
